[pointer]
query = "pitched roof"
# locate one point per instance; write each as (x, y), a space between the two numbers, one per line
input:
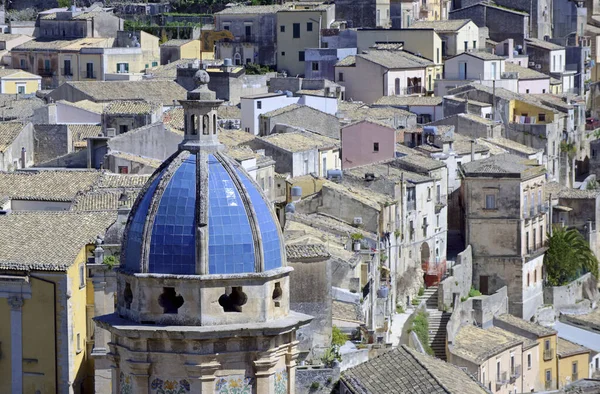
(589, 320)
(346, 311)
(404, 370)
(130, 107)
(301, 141)
(415, 161)
(87, 105)
(441, 26)
(566, 348)
(282, 110)
(154, 90)
(7, 72)
(482, 55)
(53, 239)
(428, 101)
(512, 145)
(312, 251)
(46, 185)
(395, 59)
(524, 73)
(543, 44)
(506, 165)
(233, 138)
(252, 9)
(477, 345)
(8, 132)
(147, 161)
(120, 181)
(104, 200)
(525, 325)
(386, 171)
(80, 133)
(348, 61)
(173, 118)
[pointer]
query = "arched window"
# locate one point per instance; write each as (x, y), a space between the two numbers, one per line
(194, 125)
(214, 125)
(205, 129)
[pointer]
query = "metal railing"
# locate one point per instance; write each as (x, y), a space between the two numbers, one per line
(515, 373)
(501, 380)
(43, 71)
(548, 354)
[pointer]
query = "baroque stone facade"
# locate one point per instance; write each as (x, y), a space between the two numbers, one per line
(203, 288)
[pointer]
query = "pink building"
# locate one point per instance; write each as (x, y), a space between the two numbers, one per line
(366, 142)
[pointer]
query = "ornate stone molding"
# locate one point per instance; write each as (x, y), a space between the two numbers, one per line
(15, 302)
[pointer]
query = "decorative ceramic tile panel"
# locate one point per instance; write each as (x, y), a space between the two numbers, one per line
(169, 386)
(234, 384)
(281, 382)
(125, 384)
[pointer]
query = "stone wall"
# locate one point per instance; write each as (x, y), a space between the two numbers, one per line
(316, 380)
(502, 23)
(310, 293)
(358, 13)
(150, 141)
(77, 159)
(568, 297)
(459, 283)
(51, 141)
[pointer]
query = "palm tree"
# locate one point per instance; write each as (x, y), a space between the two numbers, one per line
(568, 256)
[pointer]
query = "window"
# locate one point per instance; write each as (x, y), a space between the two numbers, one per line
(437, 53)
(78, 343)
(20, 89)
(122, 68)
(89, 70)
(282, 29)
(528, 360)
(541, 235)
(300, 56)
(67, 69)
(437, 220)
(535, 277)
(305, 167)
(548, 375)
(315, 66)
(554, 63)
(490, 201)
(534, 239)
(123, 129)
(81, 275)
(248, 60)
(325, 167)
(498, 370)
(512, 364)
(23, 64)
(375, 146)
(428, 194)
(528, 281)
(527, 246)
(397, 86)
(282, 53)
(474, 44)
(543, 90)
(226, 27)
(248, 31)
(308, 26)
(527, 91)
(154, 64)
(411, 230)
(47, 64)
(525, 205)
(296, 30)
(259, 104)
(123, 170)
(466, 45)
(340, 77)
(547, 345)
(483, 377)
(542, 117)
(425, 227)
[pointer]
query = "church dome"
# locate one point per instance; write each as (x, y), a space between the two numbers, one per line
(201, 213)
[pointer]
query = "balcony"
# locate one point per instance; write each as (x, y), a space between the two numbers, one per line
(247, 38)
(501, 380)
(45, 72)
(548, 384)
(548, 354)
(514, 374)
(440, 203)
(86, 75)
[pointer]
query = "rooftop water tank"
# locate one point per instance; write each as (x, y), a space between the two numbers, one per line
(290, 208)
(430, 130)
(227, 62)
(296, 192)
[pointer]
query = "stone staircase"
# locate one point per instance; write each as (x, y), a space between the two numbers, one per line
(437, 322)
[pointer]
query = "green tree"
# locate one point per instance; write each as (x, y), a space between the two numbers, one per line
(64, 3)
(338, 338)
(568, 256)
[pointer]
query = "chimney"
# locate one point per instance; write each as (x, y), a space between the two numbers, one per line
(23, 157)
(472, 150)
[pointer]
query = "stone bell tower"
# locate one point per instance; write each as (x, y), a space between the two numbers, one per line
(203, 286)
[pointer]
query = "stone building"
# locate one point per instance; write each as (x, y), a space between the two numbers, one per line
(203, 297)
(504, 201)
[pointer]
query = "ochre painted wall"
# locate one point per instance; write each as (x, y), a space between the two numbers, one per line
(565, 365)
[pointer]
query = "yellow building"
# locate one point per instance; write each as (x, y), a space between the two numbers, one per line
(540, 113)
(19, 81)
(299, 28)
(573, 362)
(44, 328)
(547, 340)
(173, 50)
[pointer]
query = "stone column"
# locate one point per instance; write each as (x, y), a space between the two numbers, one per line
(264, 371)
(290, 362)
(202, 376)
(16, 343)
(139, 375)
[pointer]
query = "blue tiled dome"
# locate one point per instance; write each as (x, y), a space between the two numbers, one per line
(202, 214)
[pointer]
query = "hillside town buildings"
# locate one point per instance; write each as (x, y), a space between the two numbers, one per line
(299, 197)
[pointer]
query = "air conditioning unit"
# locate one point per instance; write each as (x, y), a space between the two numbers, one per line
(531, 64)
(538, 66)
(111, 132)
(357, 220)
